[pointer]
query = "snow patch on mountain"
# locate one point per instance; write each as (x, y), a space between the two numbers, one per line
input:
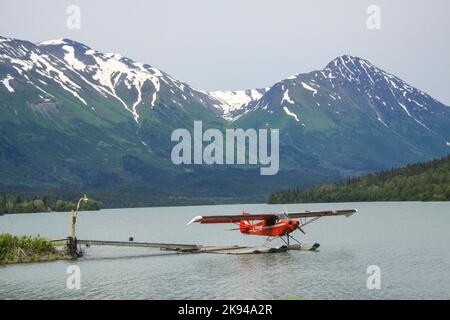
(381, 120)
(286, 97)
(291, 114)
(422, 124)
(309, 88)
(70, 58)
(405, 109)
(54, 42)
(20, 65)
(111, 69)
(230, 101)
(40, 89)
(6, 83)
(56, 75)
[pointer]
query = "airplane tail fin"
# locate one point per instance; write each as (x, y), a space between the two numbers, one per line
(244, 225)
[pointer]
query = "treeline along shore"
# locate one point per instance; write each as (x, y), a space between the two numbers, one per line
(18, 204)
(427, 181)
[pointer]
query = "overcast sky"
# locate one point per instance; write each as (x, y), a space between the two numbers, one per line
(240, 44)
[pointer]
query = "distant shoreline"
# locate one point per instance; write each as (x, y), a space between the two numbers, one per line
(21, 204)
(237, 204)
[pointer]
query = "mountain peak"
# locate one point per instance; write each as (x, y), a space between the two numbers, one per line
(62, 42)
(53, 42)
(348, 60)
(2, 38)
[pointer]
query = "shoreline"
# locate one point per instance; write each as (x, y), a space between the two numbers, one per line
(37, 259)
(28, 249)
(235, 204)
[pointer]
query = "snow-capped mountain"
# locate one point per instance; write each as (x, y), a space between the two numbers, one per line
(76, 117)
(79, 70)
(355, 116)
(350, 85)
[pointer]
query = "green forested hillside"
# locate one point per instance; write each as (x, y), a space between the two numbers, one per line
(428, 181)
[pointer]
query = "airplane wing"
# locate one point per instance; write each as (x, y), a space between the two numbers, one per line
(268, 216)
(326, 213)
(232, 218)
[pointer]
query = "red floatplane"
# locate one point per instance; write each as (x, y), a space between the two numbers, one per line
(273, 225)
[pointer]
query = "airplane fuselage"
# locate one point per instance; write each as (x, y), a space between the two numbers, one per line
(269, 228)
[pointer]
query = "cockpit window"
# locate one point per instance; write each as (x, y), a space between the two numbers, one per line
(282, 216)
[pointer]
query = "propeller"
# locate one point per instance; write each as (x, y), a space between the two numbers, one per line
(298, 227)
(301, 230)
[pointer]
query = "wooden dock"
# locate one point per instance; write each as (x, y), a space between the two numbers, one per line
(195, 248)
(168, 246)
